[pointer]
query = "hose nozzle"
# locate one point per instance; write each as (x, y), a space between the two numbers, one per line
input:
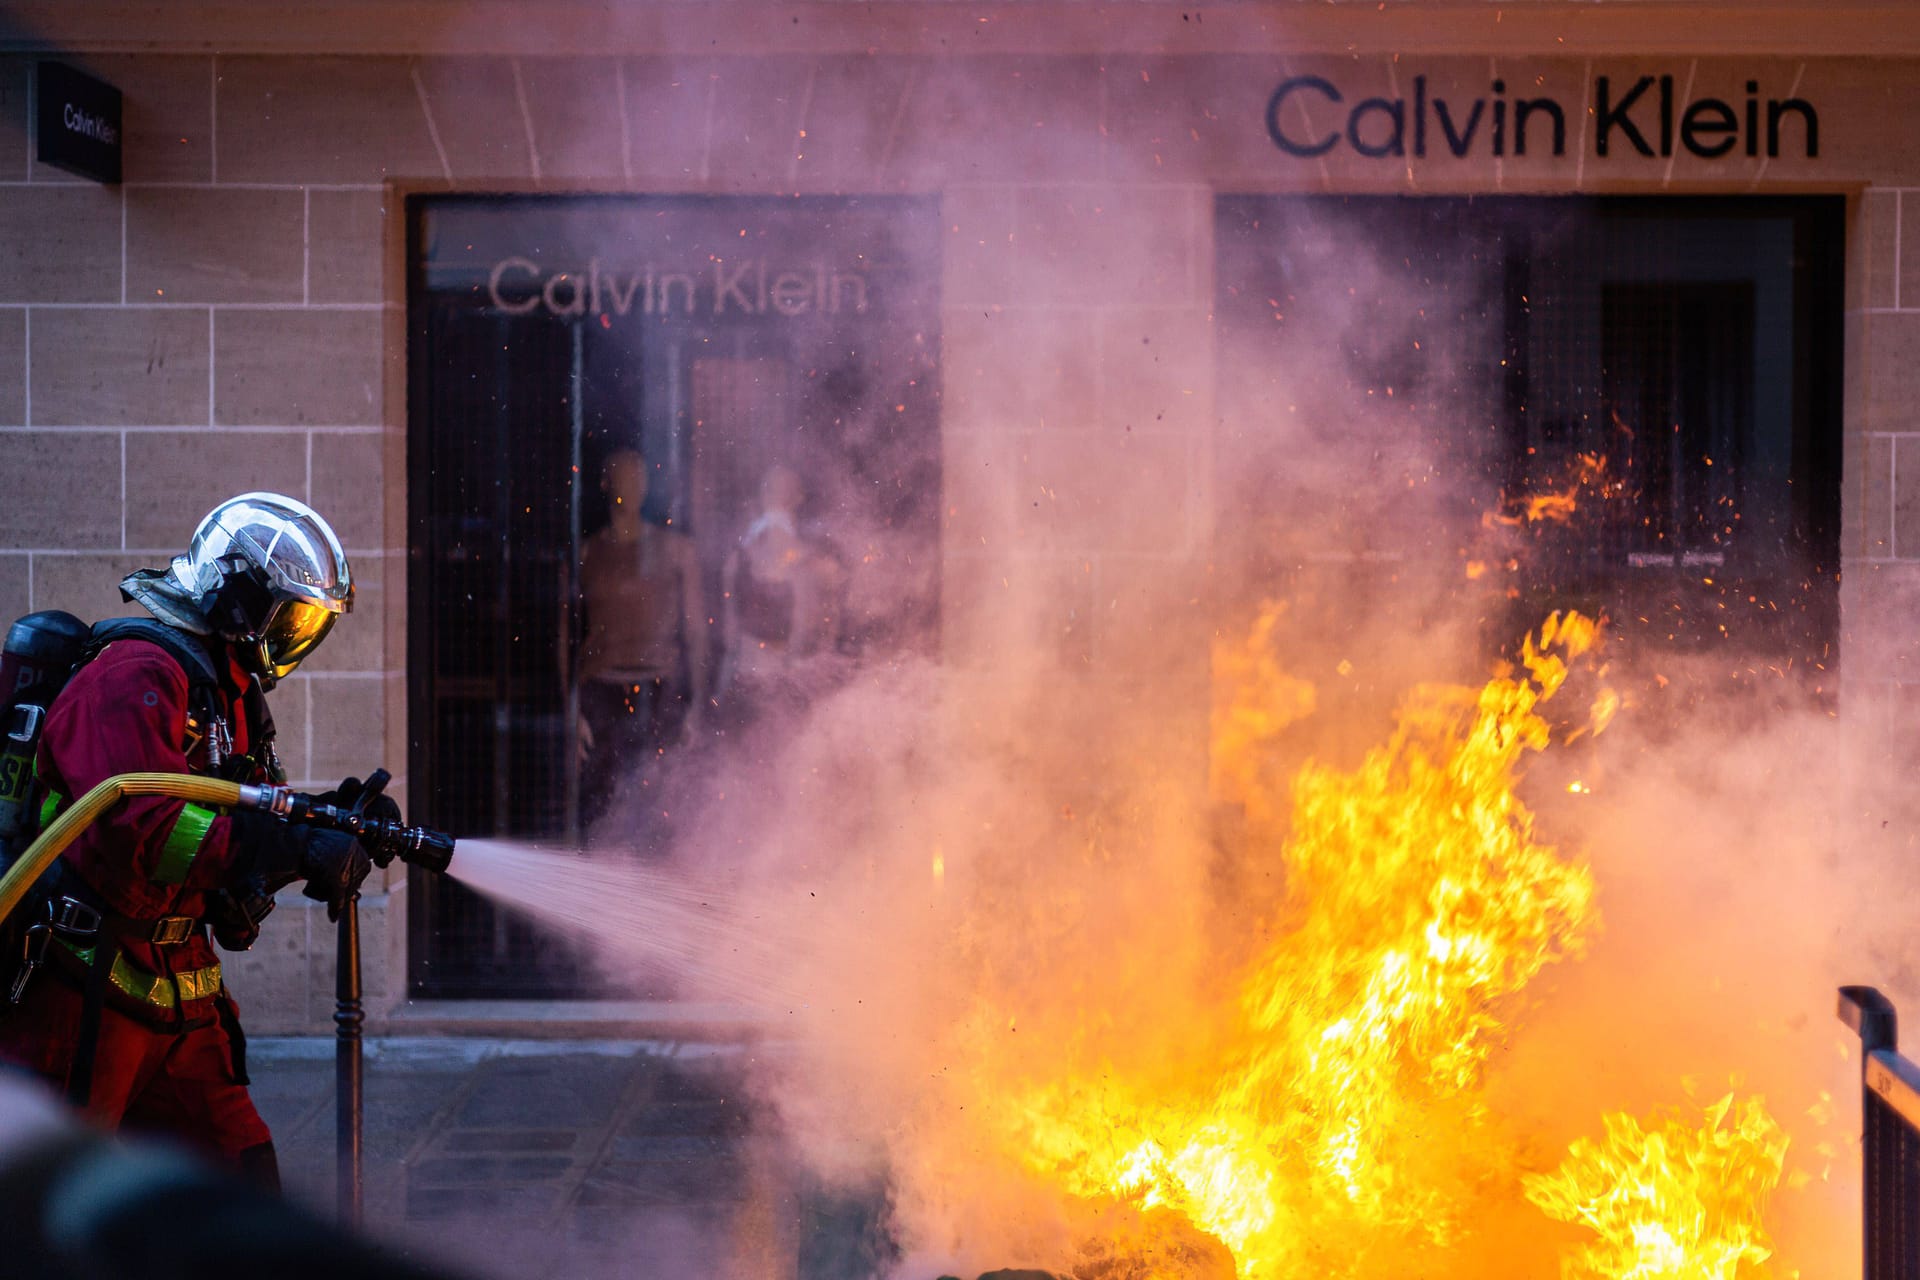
(421, 847)
(384, 839)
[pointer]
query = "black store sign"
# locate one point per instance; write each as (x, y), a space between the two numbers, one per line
(79, 126)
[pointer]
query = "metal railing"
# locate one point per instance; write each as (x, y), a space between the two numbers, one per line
(1889, 1138)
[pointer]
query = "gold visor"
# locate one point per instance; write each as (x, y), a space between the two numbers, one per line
(295, 630)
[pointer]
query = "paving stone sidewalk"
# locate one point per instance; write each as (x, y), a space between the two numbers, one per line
(587, 1160)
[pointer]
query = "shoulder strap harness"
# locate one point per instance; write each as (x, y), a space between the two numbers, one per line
(204, 718)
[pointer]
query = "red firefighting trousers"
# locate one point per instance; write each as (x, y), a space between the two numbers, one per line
(180, 1084)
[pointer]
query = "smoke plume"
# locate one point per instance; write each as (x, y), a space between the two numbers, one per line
(1015, 861)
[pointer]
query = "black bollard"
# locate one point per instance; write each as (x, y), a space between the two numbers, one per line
(1889, 1139)
(348, 1067)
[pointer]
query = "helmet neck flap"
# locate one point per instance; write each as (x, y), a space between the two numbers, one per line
(156, 591)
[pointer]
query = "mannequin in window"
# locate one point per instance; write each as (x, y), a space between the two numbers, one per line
(784, 589)
(643, 655)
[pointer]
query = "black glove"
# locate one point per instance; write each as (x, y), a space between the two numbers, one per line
(272, 852)
(382, 807)
(232, 914)
(277, 853)
(336, 865)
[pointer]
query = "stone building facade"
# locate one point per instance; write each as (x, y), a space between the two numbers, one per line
(232, 316)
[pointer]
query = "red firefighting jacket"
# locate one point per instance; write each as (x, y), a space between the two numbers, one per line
(148, 856)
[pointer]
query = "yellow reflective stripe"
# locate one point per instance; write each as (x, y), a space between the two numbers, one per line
(183, 842)
(199, 984)
(152, 988)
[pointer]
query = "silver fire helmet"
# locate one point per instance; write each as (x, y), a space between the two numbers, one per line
(268, 574)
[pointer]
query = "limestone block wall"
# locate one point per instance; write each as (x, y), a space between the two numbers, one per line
(1881, 590)
(216, 324)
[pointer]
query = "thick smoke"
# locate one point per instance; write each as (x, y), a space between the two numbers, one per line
(1009, 866)
(1006, 862)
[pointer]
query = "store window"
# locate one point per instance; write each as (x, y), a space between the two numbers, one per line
(653, 440)
(1631, 404)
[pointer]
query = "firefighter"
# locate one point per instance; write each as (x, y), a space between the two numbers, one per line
(125, 1008)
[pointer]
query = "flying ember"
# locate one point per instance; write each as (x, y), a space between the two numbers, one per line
(1587, 473)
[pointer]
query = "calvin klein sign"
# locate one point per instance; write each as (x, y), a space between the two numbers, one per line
(79, 122)
(1309, 116)
(746, 286)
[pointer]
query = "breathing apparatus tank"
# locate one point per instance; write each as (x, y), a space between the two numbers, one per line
(40, 652)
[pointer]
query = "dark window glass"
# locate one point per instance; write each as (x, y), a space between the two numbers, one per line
(1669, 367)
(709, 344)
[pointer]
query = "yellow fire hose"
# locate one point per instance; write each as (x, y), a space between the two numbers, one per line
(52, 842)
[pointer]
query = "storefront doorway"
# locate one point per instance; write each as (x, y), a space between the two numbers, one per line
(744, 371)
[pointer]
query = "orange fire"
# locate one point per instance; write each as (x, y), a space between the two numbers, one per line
(1588, 472)
(1330, 1120)
(1255, 702)
(1670, 1201)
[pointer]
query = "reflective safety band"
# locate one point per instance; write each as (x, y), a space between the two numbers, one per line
(199, 984)
(50, 808)
(152, 988)
(188, 834)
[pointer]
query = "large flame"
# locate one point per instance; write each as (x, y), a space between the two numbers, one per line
(1329, 1120)
(1418, 901)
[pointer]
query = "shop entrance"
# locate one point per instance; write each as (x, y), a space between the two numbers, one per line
(740, 370)
(1640, 399)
